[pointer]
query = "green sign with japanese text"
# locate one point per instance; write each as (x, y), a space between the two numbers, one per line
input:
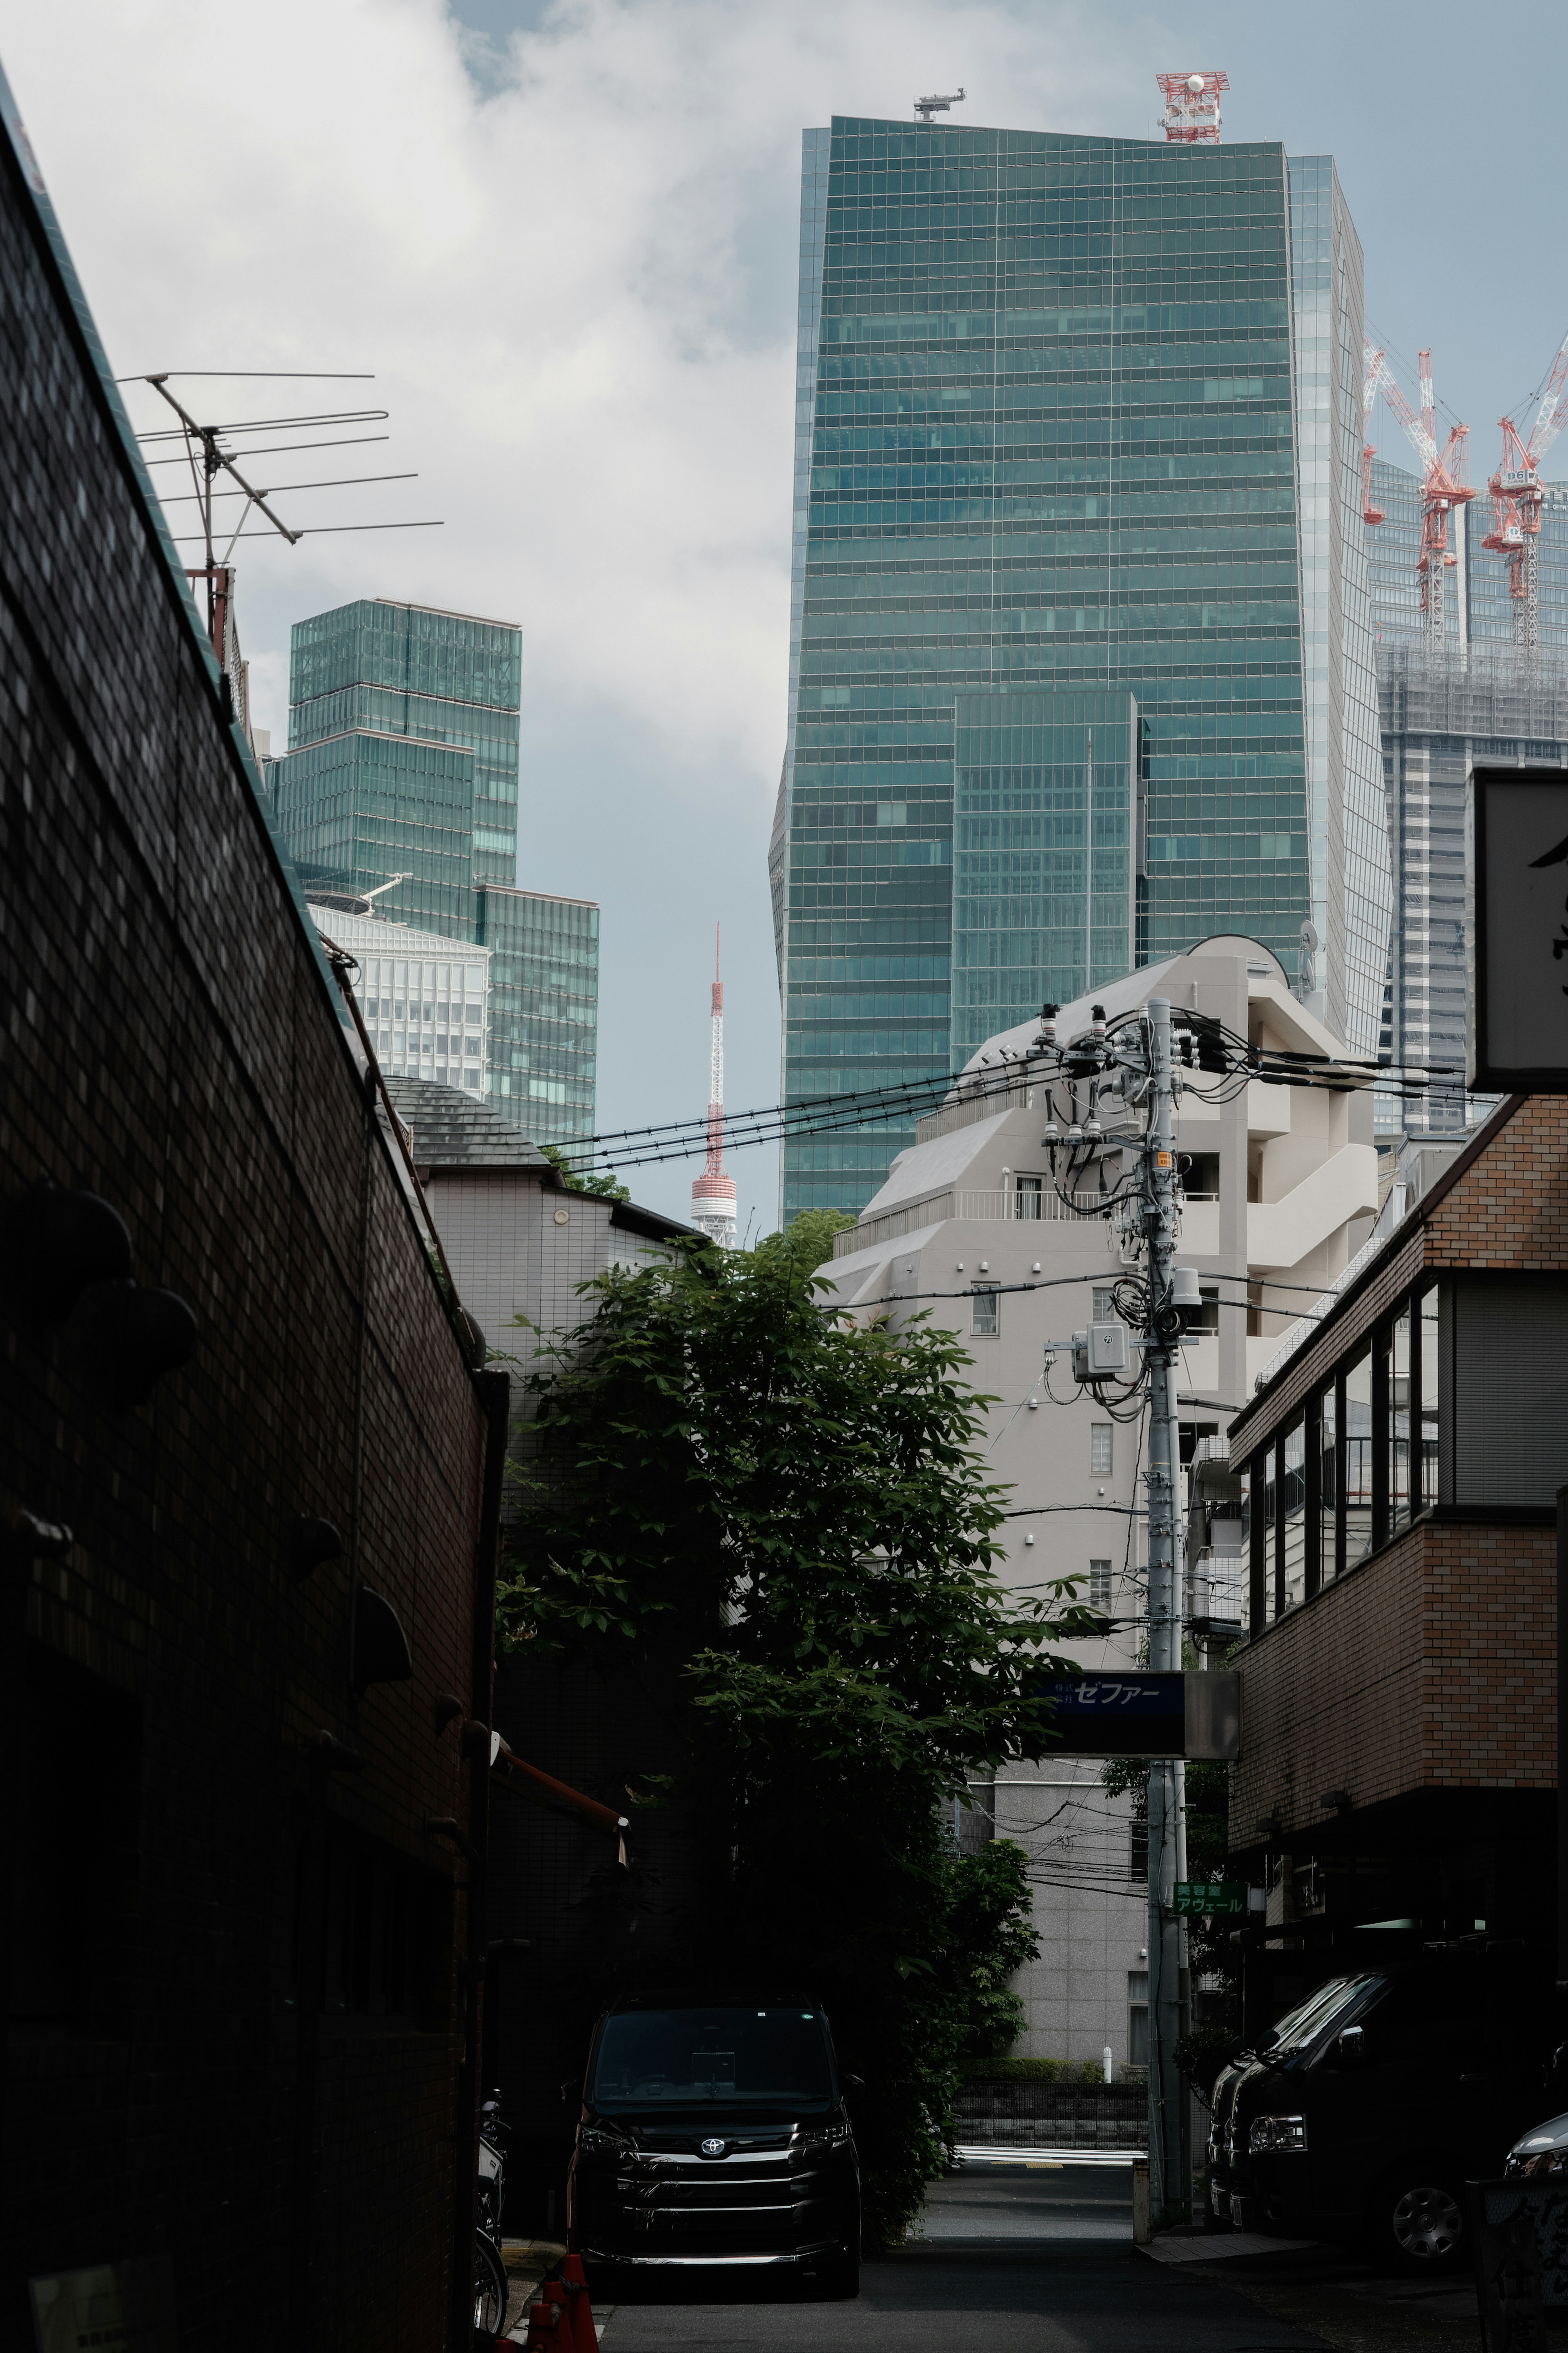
(1211, 1896)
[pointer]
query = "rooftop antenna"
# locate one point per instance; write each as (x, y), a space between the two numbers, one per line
(1192, 107)
(210, 451)
(926, 107)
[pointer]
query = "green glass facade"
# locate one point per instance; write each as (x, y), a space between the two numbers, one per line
(403, 759)
(1057, 445)
(374, 671)
(544, 1009)
(1045, 825)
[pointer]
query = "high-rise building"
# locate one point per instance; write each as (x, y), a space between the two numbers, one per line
(403, 763)
(544, 1009)
(1439, 715)
(1078, 457)
(424, 997)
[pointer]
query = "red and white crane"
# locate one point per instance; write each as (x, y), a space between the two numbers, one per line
(1443, 491)
(1517, 501)
(1372, 377)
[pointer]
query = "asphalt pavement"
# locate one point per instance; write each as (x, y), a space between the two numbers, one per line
(1026, 2260)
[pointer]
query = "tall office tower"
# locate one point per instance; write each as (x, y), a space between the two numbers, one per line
(1476, 702)
(544, 1009)
(402, 761)
(1080, 659)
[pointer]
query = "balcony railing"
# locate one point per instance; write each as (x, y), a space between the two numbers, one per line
(1001, 1206)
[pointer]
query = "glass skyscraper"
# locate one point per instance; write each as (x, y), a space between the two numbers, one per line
(1078, 439)
(403, 759)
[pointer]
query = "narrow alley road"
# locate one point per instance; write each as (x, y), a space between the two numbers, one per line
(1008, 2262)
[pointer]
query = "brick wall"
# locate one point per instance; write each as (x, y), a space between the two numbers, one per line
(189, 2077)
(1433, 1667)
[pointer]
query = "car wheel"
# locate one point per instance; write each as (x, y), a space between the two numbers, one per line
(1423, 2221)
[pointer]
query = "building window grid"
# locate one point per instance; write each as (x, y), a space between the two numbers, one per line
(1355, 1468)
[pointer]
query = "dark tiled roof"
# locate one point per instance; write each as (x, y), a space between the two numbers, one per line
(453, 1130)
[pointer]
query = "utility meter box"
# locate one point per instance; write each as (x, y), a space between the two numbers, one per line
(1100, 1354)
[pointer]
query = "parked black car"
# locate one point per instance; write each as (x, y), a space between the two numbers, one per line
(714, 2137)
(1369, 2107)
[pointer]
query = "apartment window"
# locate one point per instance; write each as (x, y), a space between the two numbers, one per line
(1292, 1509)
(1026, 1192)
(1099, 1585)
(1427, 1439)
(1102, 1309)
(1358, 1468)
(1099, 1447)
(987, 1315)
(1328, 1485)
(1396, 1411)
(1200, 1176)
(1137, 1849)
(1358, 1481)
(1138, 2017)
(1205, 1317)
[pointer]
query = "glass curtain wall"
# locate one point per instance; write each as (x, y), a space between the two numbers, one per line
(1044, 886)
(1046, 443)
(544, 1009)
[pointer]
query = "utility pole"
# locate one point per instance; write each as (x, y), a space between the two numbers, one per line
(1168, 2189)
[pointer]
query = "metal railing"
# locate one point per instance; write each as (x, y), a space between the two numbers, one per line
(981, 1205)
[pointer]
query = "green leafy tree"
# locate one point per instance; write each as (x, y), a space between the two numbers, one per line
(604, 1187)
(725, 1474)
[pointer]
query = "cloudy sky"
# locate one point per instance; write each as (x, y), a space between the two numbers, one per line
(561, 234)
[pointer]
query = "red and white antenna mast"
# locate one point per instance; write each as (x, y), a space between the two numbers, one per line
(1517, 501)
(713, 1193)
(1443, 490)
(1192, 107)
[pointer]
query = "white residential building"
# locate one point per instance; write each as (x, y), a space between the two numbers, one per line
(1281, 1189)
(424, 997)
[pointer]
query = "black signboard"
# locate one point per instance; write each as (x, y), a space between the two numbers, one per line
(1133, 1712)
(1518, 1030)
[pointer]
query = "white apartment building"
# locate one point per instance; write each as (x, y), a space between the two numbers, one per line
(1280, 1191)
(424, 997)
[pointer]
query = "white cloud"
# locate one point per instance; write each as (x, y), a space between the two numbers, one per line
(556, 285)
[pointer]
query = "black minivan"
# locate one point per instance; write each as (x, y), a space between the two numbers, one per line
(714, 2137)
(1364, 2111)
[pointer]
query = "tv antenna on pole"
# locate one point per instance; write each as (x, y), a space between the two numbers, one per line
(210, 453)
(926, 107)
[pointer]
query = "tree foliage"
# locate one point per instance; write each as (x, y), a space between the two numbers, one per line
(796, 1505)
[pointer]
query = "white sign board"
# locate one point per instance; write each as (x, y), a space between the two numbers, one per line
(1518, 1027)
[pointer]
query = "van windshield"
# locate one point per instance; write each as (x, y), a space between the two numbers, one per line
(1328, 2007)
(703, 2058)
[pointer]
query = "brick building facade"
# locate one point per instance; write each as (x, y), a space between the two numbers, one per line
(247, 1850)
(1399, 1678)
(522, 1248)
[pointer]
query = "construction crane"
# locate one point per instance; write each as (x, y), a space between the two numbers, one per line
(1372, 375)
(1443, 489)
(1517, 499)
(1192, 107)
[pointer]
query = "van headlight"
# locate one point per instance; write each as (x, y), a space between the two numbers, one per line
(1271, 2133)
(593, 2140)
(819, 2138)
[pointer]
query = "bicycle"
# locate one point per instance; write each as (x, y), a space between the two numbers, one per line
(489, 2269)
